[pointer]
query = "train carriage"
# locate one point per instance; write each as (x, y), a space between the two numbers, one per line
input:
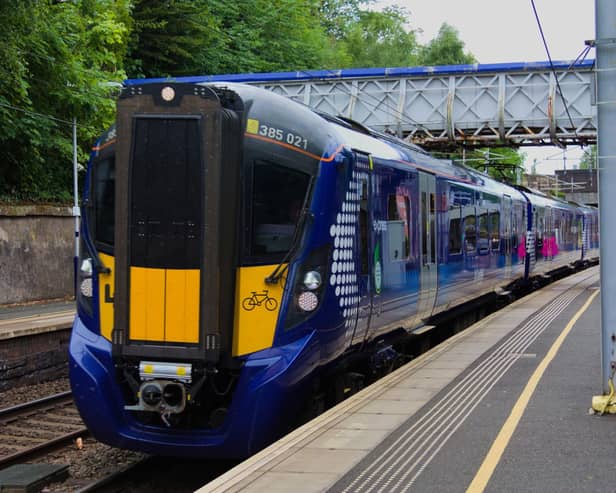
(239, 249)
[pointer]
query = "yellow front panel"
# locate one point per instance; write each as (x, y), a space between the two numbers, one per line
(147, 304)
(182, 306)
(256, 309)
(106, 287)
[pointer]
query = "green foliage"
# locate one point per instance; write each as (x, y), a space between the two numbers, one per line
(55, 59)
(589, 158)
(167, 37)
(501, 163)
(269, 35)
(58, 58)
(381, 39)
(182, 37)
(338, 16)
(446, 49)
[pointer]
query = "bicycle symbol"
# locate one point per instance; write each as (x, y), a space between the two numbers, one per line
(257, 299)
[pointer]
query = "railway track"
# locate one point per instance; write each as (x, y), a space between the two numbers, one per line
(154, 474)
(120, 479)
(38, 427)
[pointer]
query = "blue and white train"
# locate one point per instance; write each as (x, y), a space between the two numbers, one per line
(240, 251)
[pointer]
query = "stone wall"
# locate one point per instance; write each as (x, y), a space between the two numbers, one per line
(36, 253)
(32, 359)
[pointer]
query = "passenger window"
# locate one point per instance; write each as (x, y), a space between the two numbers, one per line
(278, 194)
(470, 234)
(432, 228)
(495, 231)
(398, 214)
(455, 231)
(483, 232)
(424, 232)
(514, 229)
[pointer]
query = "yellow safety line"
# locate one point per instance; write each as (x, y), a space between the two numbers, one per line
(480, 481)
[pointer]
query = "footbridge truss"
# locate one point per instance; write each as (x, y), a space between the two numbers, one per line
(513, 104)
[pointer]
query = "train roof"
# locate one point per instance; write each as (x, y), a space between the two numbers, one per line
(268, 106)
(359, 73)
(539, 198)
(264, 105)
(390, 147)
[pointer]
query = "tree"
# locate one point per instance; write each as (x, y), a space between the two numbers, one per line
(446, 49)
(501, 163)
(380, 39)
(57, 60)
(54, 60)
(168, 37)
(338, 16)
(589, 158)
(193, 37)
(271, 35)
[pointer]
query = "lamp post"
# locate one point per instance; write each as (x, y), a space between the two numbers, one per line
(76, 209)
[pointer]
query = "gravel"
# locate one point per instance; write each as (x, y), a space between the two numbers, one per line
(91, 462)
(19, 395)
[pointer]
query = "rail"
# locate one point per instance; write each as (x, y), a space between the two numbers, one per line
(38, 427)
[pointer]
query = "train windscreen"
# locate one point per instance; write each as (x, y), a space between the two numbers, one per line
(102, 194)
(278, 194)
(166, 194)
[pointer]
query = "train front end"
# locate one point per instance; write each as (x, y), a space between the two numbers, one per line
(178, 347)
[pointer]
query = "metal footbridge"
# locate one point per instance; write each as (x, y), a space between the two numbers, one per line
(512, 104)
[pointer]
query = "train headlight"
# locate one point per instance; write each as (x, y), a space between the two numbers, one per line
(85, 277)
(308, 301)
(312, 280)
(168, 93)
(85, 287)
(308, 286)
(85, 283)
(86, 269)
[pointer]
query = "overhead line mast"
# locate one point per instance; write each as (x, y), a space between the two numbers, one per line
(605, 42)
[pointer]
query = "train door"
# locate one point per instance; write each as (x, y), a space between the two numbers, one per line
(367, 284)
(177, 163)
(548, 234)
(506, 238)
(427, 230)
(585, 226)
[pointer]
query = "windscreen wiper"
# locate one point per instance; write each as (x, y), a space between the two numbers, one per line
(282, 267)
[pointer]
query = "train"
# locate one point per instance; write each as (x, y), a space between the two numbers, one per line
(241, 252)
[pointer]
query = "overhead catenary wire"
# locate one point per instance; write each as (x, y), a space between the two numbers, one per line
(403, 116)
(580, 58)
(409, 120)
(45, 116)
(34, 113)
(547, 50)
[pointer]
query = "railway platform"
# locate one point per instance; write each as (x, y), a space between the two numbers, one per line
(35, 318)
(34, 339)
(503, 406)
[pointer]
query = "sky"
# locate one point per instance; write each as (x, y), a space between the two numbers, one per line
(497, 31)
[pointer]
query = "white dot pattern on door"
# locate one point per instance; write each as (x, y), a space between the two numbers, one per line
(343, 267)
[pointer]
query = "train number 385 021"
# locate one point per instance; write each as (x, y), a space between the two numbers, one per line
(278, 134)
